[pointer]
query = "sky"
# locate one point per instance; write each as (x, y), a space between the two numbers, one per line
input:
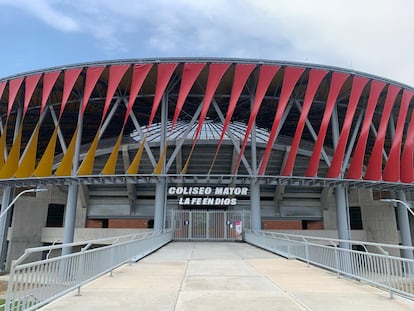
(372, 36)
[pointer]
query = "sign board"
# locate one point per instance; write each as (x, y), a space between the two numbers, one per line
(207, 196)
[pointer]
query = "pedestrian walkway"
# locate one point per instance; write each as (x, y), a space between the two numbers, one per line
(225, 276)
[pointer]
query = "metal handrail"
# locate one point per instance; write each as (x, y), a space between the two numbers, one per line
(332, 240)
(34, 284)
(381, 267)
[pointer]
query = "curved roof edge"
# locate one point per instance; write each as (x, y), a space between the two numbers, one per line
(208, 59)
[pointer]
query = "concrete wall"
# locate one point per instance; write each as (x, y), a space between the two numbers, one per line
(29, 218)
(81, 211)
(57, 194)
(378, 219)
(329, 210)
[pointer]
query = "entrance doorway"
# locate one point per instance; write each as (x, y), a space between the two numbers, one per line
(209, 225)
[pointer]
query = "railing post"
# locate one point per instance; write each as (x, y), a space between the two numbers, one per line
(337, 260)
(287, 244)
(388, 271)
(306, 251)
(112, 259)
(10, 286)
(81, 270)
(190, 224)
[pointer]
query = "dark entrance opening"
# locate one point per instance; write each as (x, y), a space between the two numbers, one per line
(55, 214)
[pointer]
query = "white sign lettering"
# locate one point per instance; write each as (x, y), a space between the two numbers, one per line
(207, 196)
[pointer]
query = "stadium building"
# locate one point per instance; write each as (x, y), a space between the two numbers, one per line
(207, 146)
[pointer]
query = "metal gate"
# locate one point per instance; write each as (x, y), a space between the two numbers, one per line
(209, 225)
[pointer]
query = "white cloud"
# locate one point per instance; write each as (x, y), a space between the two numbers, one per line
(43, 10)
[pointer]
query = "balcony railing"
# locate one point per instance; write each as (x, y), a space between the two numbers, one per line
(377, 264)
(34, 284)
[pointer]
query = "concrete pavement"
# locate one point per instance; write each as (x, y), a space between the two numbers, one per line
(225, 276)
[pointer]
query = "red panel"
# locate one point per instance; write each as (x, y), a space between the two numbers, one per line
(266, 75)
(241, 75)
(355, 168)
(69, 81)
(374, 168)
(139, 74)
(190, 74)
(216, 72)
(407, 175)
(92, 76)
(31, 82)
(116, 72)
(49, 80)
(14, 86)
(165, 72)
(292, 75)
(338, 80)
(315, 78)
(391, 170)
(358, 85)
(2, 87)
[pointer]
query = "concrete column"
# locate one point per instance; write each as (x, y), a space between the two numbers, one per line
(159, 211)
(23, 233)
(256, 220)
(71, 203)
(341, 195)
(70, 217)
(256, 217)
(404, 224)
(160, 198)
(342, 215)
(4, 225)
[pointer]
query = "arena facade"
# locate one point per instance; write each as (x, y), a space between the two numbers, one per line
(128, 145)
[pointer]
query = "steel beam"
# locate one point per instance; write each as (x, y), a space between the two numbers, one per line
(341, 198)
(404, 223)
(72, 199)
(160, 187)
(255, 210)
(141, 133)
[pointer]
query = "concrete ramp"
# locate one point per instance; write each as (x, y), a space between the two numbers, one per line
(225, 276)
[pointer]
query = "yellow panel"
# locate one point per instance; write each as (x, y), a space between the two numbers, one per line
(65, 167)
(160, 164)
(3, 145)
(28, 163)
(45, 165)
(87, 164)
(133, 168)
(110, 165)
(12, 162)
(184, 171)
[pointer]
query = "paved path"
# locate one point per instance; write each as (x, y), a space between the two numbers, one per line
(225, 276)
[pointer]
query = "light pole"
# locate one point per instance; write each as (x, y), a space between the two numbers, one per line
(405, 231)
(3, 212)
(405, 204)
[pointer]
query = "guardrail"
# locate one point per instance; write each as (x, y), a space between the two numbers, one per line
(34, 284)
(374, 263)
